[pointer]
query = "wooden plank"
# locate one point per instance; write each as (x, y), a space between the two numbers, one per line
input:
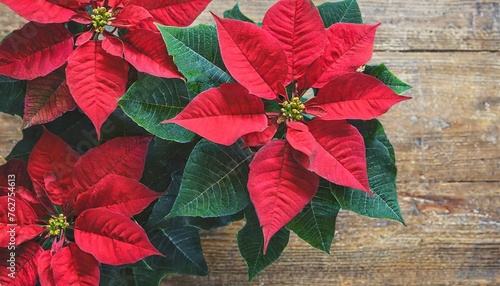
(449, 130)
(9, 134)
(435, 25)
(411, 25)
(9, 21)
(406, 25)
(452, 238)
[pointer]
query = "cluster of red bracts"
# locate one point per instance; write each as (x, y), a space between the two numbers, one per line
(78, 206)
(292, 49)
(96, 60)
(81, 205)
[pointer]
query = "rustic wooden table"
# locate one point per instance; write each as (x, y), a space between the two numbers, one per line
(446, 141)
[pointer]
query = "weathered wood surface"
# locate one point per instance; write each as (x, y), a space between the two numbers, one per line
(451, 25)
(446, 141)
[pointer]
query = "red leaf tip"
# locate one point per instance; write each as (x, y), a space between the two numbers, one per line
(370, 193)
(267, 237)
(214, 15)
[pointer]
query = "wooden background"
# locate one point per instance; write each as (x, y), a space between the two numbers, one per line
(446, 141)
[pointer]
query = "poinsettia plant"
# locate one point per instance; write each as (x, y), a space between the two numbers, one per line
(197, 127)
(77, 206)
(97, 70)
(302, 141)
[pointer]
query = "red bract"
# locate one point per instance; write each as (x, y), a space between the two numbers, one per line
(47, 98)
(41, 11)
(22, 269)
(292, 49)
(96, 80)
(94, 195)
(216, 107)
(97, 70)
(35, 50)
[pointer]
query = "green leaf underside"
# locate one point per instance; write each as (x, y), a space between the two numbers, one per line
(158, 218)
(251, 244)
(182, 249)
(315, 224)
(387, 77)
(12, 93)
(151, 100)
(236, 14)
(214, 181)
(381, 175)
(197, 55)
(346, 11)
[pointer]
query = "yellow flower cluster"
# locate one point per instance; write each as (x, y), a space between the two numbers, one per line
(293, 110)
(101, 17)
(56, 224)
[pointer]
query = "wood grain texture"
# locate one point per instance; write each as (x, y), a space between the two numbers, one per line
(9, 21)
(451, 239)
(450, 25)
(448, 156)
(10, 133)
(452, 121)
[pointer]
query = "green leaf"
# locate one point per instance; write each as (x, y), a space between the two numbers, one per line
(375, 128)
(182, 249)
(115, 276)
(23, 148)
(315, 224)
(214, 181)
(76, 28)
(119, 124)
(150, 100)
(387, 77)
(381, 175)
(197, 55)
(73, 127)
(148, 277)
(77, 130)
(236, 14)
(12, 93)
(251, 245)
(272, 106)
(346, 11)
(163, 159)
(158, 218)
